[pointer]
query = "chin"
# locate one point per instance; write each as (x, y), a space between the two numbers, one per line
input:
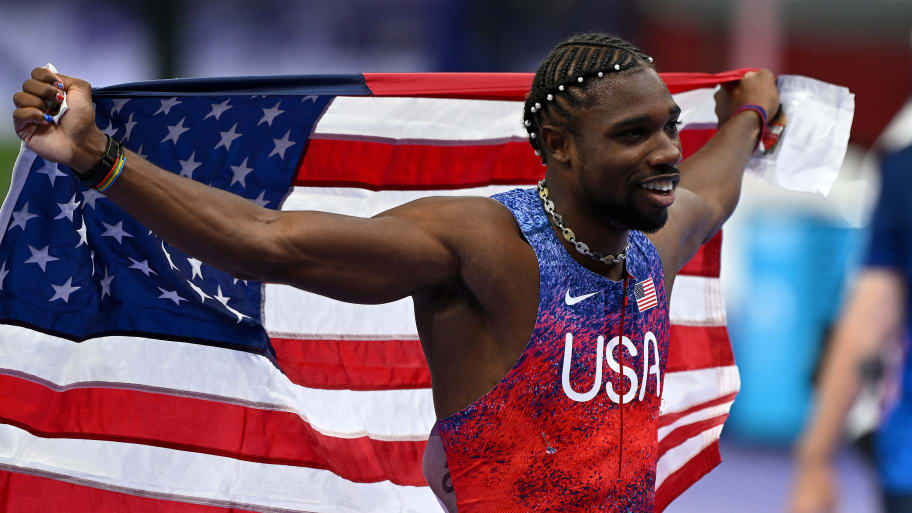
(646, 223)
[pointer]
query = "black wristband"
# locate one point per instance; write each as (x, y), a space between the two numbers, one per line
(100, 170)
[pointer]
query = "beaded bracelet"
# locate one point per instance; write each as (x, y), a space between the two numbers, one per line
(763, 119)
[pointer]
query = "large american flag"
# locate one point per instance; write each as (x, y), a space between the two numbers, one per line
(134, 377)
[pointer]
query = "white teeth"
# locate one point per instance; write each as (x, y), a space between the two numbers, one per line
(659, 185)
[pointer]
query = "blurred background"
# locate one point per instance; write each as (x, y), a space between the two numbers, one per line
(787, 256)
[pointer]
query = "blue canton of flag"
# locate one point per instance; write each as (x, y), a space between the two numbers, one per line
(75, 265)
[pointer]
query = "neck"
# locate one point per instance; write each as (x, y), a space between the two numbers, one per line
(606, 236)
(584, 236)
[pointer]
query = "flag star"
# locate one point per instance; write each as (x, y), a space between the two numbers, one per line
(142, 266)
(90, 195)
(83, 235)
(310, 98)
(168, 257)
(106, 284)
(196, 267)
(240, 173)
(187, 166)
(227, 138)
(170, 294)
(218, 109)
(203, 295)
(64, 290)
(166, 105)
(118, 104)
(40, 257)
(92, 257)
(50, 169)
(128, 127)
(270, 114)
(236, 280)
(224, 301)
(174, 132)
(281, 145)
(21, 217)
(110, 130)
(259, 200)
(3, 272)
(67, 209)
(115, 230)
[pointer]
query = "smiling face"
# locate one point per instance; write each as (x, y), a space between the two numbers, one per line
(625, 150)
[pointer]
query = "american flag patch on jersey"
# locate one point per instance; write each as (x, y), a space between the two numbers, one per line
(645, 294)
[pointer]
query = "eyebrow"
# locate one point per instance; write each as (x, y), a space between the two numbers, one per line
(674, 111)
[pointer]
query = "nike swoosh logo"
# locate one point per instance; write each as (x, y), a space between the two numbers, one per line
(570, 300)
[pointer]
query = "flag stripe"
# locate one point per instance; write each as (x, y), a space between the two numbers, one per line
(669, 418)
(353, 364)
(707, 261)
(184, 423)
(204, 372)
(39, 493)
(694, 417)
(682, 390)
(154, 471)
(699, 464)
(697, 301)
(683, 433)
(707, 346)
(677, 457)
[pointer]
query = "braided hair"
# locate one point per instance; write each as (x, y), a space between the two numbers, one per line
(560, 85)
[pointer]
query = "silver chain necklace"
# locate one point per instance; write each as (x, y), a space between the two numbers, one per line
(580, 246)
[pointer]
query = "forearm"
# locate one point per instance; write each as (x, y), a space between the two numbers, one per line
(215, 226)
(715, 172)
(872, 317)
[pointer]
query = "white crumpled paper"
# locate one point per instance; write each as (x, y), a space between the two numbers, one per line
(813, 144)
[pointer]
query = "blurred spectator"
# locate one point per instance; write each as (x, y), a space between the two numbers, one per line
(877, 311)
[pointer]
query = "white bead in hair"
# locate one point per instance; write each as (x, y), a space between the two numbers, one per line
(617, 67)
(650, 59)
(537, 105)
(600, 74)
(532, 109)
(580, 80)
(550, 97)
(527, 123)
(532, 135)
(537, 153)
(560, 87)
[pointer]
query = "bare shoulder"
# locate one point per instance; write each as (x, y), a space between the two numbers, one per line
(459, 220)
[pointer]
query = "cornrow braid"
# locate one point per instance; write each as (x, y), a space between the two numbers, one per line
(562, 78)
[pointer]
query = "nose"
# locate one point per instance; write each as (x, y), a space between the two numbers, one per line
(667, 151)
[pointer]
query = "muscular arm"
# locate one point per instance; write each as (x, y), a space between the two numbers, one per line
(710, 183)
(372, 260)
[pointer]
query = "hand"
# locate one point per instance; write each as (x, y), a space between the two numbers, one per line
(813, 490)
(76, 142)
(756, 87)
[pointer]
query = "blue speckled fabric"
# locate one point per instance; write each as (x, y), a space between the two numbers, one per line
(551, 435)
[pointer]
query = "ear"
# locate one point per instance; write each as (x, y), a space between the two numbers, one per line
(556, 141)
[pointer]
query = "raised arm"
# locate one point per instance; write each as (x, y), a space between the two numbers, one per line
(384, 258)
(711, 178)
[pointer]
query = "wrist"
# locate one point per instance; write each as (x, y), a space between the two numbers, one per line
(89, 151)
(754, 110)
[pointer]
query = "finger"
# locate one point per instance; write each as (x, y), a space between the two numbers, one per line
(47, 76)
(26, 116)
(22, 99)
(43, 90)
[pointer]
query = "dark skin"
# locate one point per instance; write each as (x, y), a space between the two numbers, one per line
(473, 278)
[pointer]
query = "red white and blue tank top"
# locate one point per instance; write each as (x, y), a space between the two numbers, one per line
(572, 427)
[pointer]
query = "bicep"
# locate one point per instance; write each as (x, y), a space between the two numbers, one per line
(359, 260)
(689, 225)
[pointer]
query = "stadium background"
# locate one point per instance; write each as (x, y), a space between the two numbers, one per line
(786, 256)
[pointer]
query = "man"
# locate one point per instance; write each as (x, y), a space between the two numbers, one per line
(878, 311)
(518, 299)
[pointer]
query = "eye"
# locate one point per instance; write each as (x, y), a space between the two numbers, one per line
(633, 133)
(673, 126)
